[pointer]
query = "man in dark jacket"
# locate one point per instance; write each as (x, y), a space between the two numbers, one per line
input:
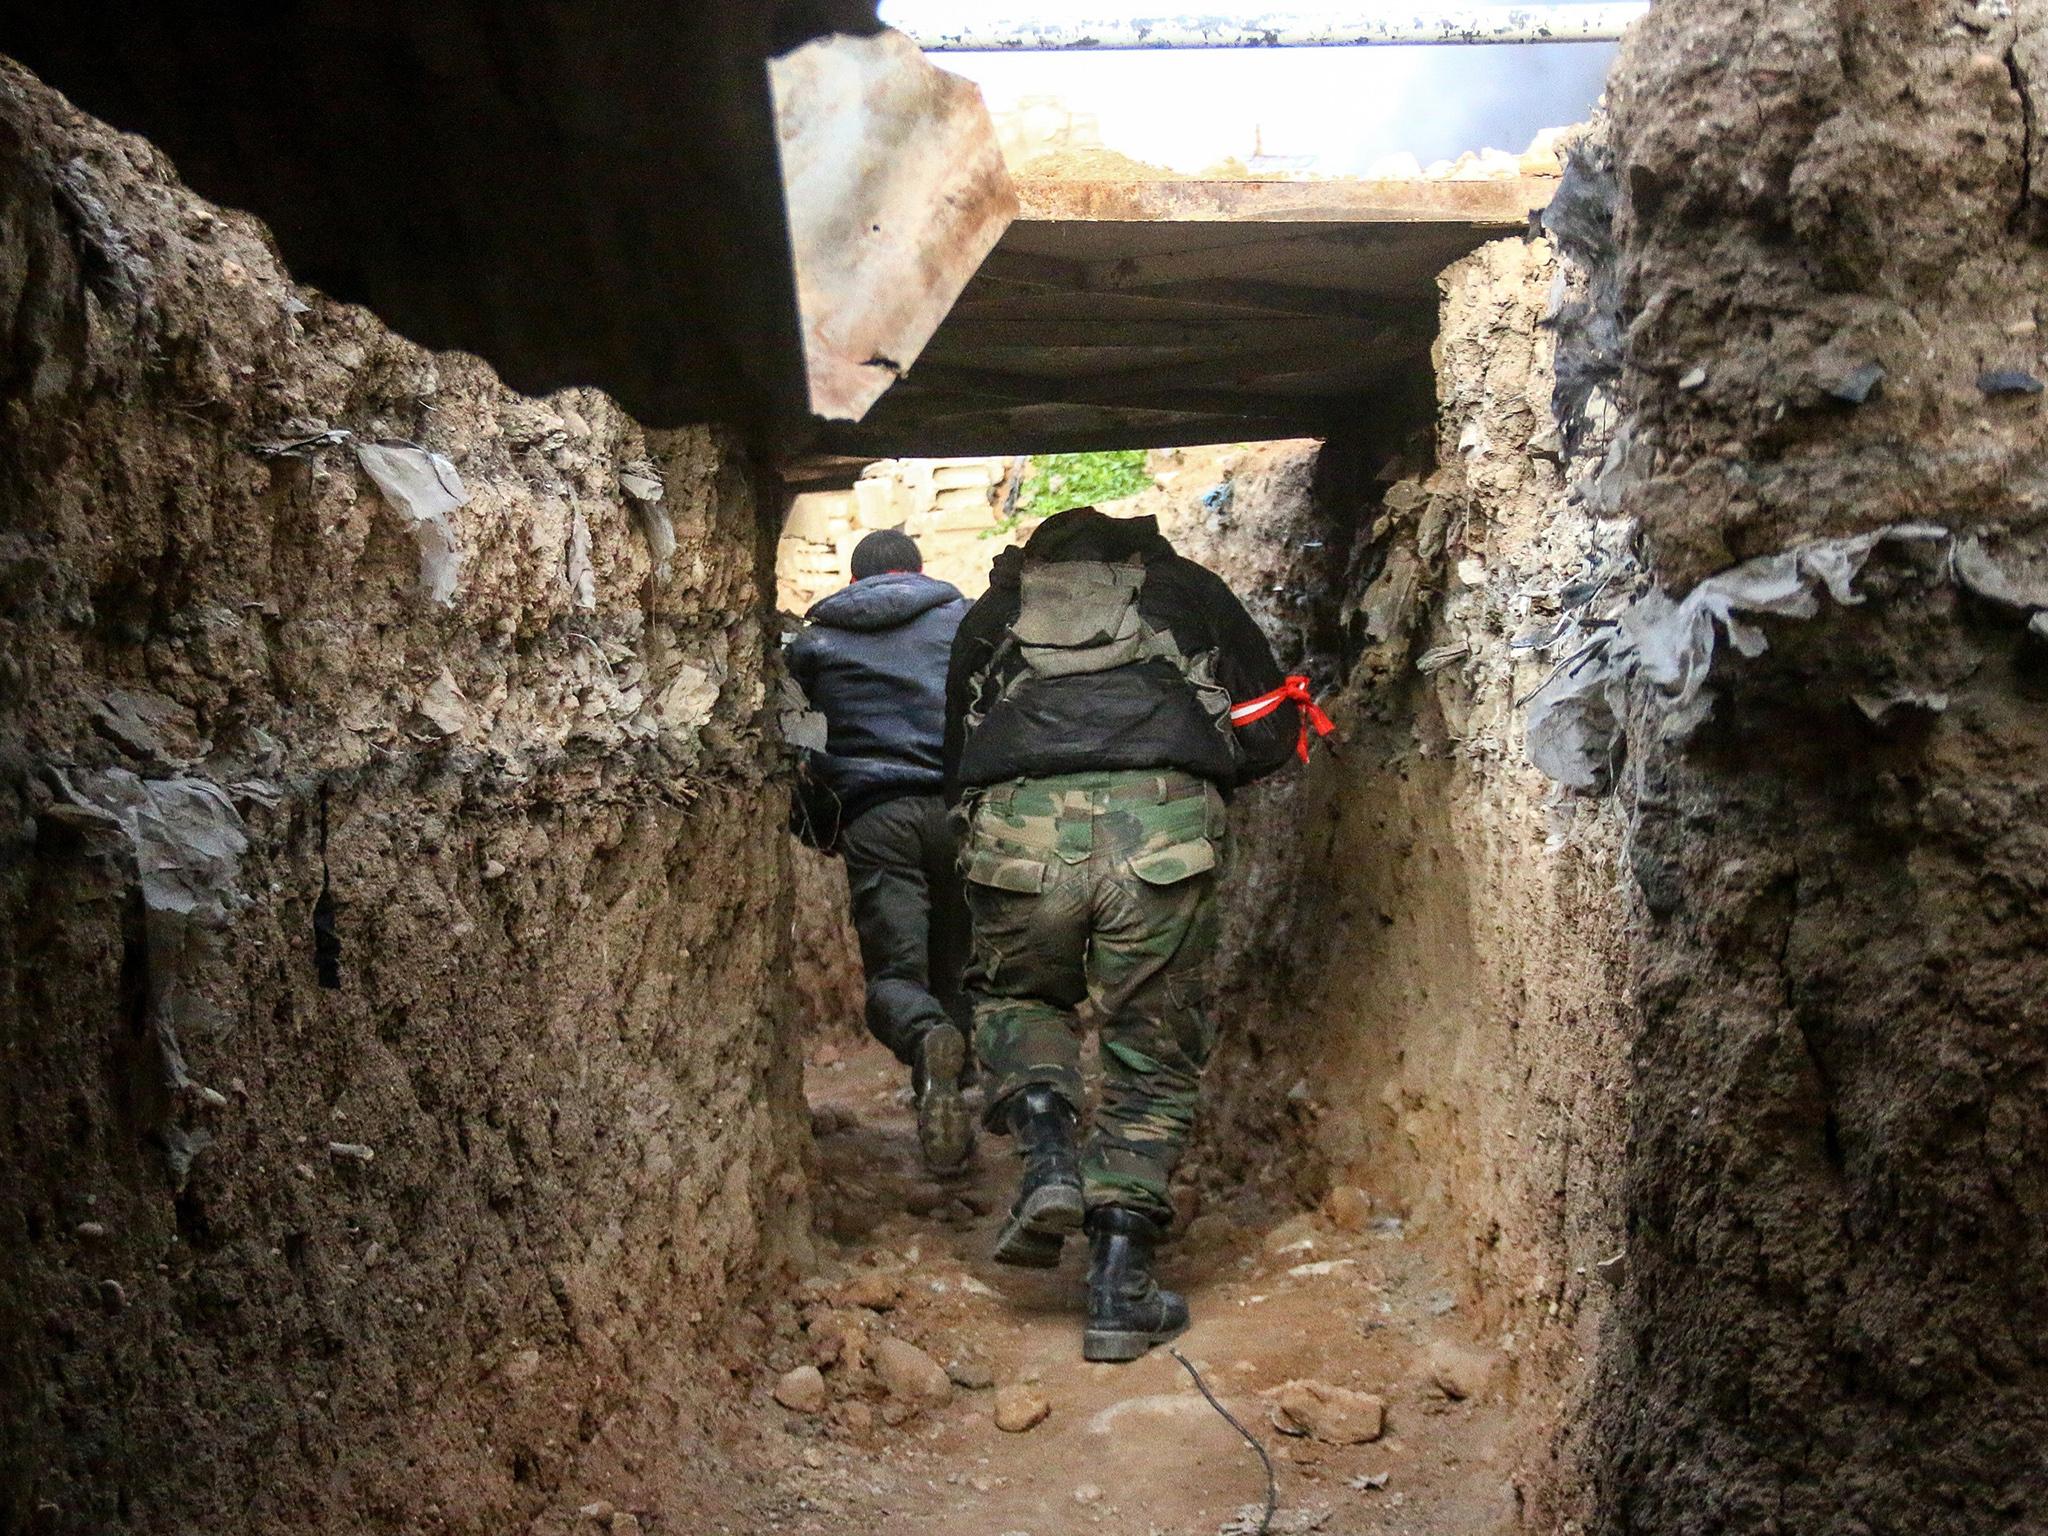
(1103, 699)
(873, 661)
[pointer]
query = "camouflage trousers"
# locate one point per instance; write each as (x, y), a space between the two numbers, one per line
(1098, 887)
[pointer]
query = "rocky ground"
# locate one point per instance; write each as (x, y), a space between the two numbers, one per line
(932, 1390)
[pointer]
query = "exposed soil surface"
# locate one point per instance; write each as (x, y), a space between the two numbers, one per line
(1338, 1297)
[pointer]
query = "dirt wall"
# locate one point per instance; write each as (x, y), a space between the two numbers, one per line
(1429, 977)
(394, 904)
(1838, 1284)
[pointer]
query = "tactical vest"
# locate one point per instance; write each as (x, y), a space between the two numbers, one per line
(1076, 617)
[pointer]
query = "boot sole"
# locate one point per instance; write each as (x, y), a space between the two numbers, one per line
(1033, 1236)
(1116, 1346)
(945, 1131)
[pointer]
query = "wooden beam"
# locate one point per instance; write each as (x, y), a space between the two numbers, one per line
(1161, 391)
(1226, 300)
(1324, 249)
(1503, 203)
(1013, 434)
(1282, 353)
(1111, 332)
(1300, 301)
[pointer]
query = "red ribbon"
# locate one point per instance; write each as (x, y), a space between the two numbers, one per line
(1295, 691)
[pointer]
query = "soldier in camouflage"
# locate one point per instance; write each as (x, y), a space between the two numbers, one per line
(1090, 746)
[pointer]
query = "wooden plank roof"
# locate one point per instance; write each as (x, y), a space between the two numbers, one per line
(1149, 313)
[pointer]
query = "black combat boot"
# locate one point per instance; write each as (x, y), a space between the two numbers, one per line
(1127, 1311)
(945, 1131)
(1049, 1197)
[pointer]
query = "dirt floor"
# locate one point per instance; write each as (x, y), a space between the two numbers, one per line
(1339, 1297)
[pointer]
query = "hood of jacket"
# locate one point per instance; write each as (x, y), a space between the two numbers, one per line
(1082, 533)
(883, 602)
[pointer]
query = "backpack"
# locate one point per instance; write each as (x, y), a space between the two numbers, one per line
(1076, 617)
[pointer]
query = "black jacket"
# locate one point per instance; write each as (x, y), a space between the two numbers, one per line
(1143, 715)
(873, 661)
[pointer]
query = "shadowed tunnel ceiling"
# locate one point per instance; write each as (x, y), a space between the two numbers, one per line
(581, 193)
(591, 194)
(1164, 312)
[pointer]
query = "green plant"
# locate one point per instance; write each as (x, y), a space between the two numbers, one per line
(1056, 481)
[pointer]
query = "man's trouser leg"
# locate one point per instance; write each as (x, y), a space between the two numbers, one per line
(1027, 976)
(1151, 949)
(1102, 883)
(948, 946)
(886, 849)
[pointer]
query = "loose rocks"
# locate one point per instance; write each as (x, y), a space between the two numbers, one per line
(871, 1289)
(1019, 1408)
(802, 1390)
(971, 1375)
(1348, 1207)
(1457, 1372)
(911, 1375)
(1333, 1415)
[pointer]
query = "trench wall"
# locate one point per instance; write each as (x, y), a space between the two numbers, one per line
(394, 1086)
(1426, 977)
(1838, 1280)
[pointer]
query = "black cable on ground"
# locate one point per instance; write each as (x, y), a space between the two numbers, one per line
(1272, 1483)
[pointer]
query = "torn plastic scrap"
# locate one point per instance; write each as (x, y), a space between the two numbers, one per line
(1574, 718)
(423, 488)
(186, 835)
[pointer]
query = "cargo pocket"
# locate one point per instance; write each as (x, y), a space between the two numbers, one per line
(1176, 862)
(1006, 871)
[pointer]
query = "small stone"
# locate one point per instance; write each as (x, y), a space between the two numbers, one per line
(1857, 386)
(1211, 1229)
(1693, 379)
(1459, 1373)
(871, 1289)
(2009, 381)
(909, 1374)
(839, 1338)
(859, 1418)
(493, 870)
(1295, 1234)
(624, 1524)
(113, 1295)
(1333, 1415)
(599, 1510)
(813, 1457)
(353, 1151)
(802, 1390)
(1087, 1493)
(91, 1231)
(521, 1366)
(1019, 1408)
(895, 1413)
(1348, 1208)
(971, 1375)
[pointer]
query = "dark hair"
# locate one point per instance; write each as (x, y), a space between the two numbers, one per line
(888, 550)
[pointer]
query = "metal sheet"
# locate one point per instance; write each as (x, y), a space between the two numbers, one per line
(938, 28)
(895, 190)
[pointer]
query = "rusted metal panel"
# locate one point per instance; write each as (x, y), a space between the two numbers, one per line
(1501, 201)
(896, 190)
(938, 27)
